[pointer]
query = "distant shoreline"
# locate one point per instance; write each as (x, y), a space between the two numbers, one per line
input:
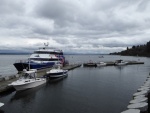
(64, 54)
(15, 53)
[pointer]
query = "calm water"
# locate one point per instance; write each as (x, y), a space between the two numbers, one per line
(6, 63)
(85, 90)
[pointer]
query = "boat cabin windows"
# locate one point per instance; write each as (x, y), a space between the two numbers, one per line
(29, 75)
(44, 59)
(48, 52)
(119, 61)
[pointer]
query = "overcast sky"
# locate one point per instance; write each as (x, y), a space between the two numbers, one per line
(98, 26)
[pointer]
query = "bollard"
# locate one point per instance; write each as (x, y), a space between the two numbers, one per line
(6, 78)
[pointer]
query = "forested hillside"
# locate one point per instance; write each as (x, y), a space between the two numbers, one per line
(139, 50)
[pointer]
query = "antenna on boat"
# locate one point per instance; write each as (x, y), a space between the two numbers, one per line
(46, 44)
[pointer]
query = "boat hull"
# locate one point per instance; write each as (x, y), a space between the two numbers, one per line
(121, 64)
(56, 75)
(101, 64)
(20, 66)
(29, 85)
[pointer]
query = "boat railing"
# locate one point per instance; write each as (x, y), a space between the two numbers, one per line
(21, 61)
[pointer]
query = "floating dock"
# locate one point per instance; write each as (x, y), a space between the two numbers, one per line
(129, 63)
(112, 63)
(4, 81)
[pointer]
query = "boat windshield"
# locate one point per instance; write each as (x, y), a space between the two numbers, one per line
(28, 76)
(56, 66)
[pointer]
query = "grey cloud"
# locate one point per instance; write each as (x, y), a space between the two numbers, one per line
(76, 24)
(11, 7)
(61, 40)
(143, 5)
(59, 10)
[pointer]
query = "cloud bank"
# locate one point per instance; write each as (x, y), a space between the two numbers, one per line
(82, 26)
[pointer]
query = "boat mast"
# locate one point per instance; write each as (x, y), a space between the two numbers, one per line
(29, 63)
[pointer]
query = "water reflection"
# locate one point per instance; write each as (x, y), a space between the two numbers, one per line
(5, 93)
(1, 111)
(26, 95)
(120, 67)
(56, 80)
(31, 93)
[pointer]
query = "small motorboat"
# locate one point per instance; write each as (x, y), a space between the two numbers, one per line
(101, 64)
(90, 64)
(56, 72)
(120, 63)
(101, 56)
(28, 80)
(1, 104)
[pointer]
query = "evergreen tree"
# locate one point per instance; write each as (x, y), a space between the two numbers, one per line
(148, 46)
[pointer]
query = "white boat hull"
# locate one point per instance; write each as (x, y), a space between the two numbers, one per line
(55, 73)
(56, 76)
(29, 85)
(121, 64)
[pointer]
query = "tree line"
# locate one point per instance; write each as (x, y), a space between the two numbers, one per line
(139, 50)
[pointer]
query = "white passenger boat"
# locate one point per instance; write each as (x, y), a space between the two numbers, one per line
(120, 63)
(44, 57)
(56, 72)
(1, 104)
(28, 80)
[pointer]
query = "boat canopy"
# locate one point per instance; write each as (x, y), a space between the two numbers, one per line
(29, 74)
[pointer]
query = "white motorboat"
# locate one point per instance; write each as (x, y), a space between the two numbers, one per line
(101, 64)
(56, 72)
(120, 63)
(28, 80)
(1, 104)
